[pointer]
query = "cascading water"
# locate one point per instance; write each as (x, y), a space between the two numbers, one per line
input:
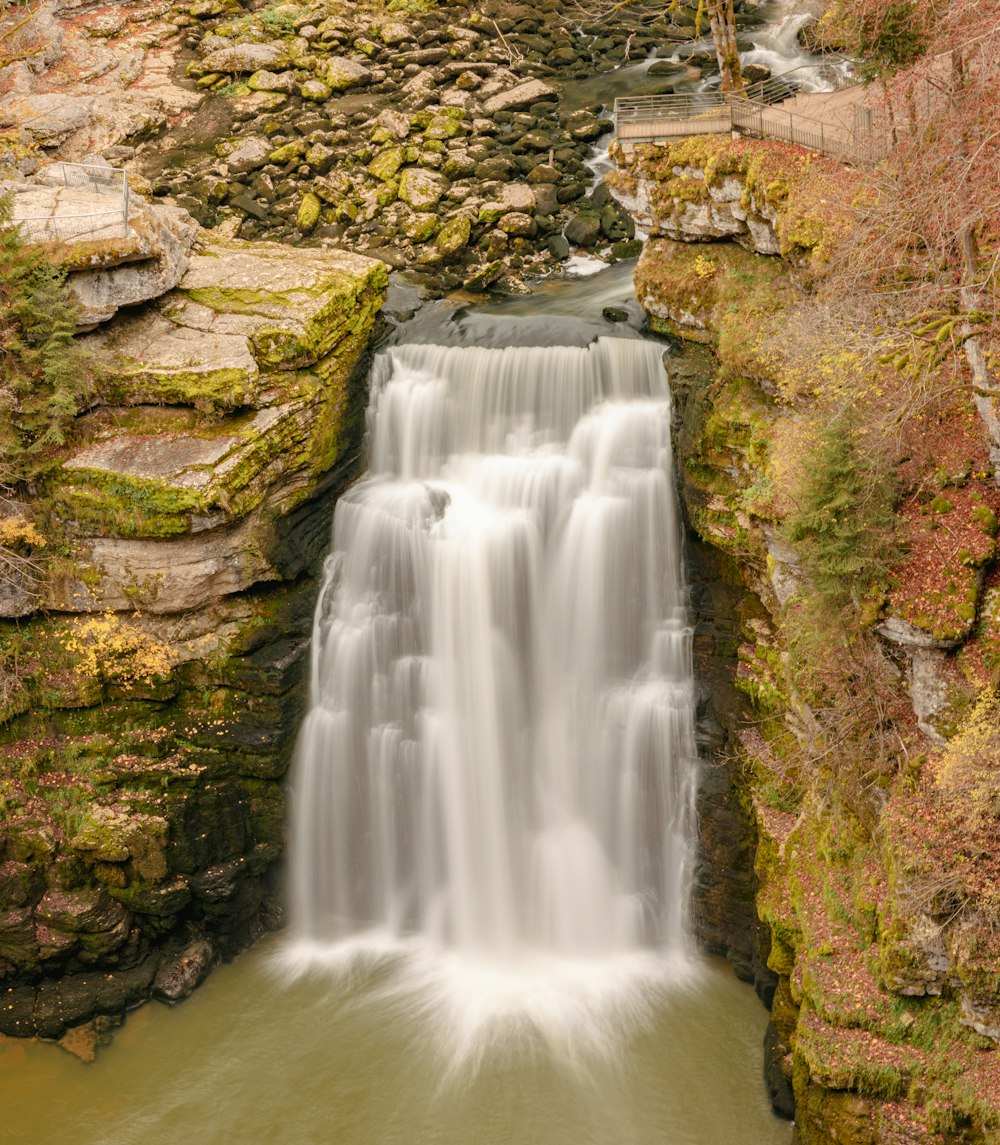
(499, 752)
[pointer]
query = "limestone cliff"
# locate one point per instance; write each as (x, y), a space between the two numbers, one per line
(875, 875)
(153, 651)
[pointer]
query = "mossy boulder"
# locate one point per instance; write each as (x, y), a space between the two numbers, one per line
(308, 213)
(422, 189)
(341, 73)
(453, 237)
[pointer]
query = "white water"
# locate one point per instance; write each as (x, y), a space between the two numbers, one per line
(498, 760)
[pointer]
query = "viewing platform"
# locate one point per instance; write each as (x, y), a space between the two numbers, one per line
(843, 124)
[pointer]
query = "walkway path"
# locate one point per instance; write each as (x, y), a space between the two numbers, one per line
(845, 124)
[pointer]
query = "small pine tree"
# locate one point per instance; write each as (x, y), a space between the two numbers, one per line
(842, 528)
(46, 377)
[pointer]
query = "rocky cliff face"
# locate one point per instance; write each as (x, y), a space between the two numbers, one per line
(872, 886)
(154, 653)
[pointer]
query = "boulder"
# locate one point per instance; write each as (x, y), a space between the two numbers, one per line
(584, 229)
(272, 81)
(518, 225)
(248, 155)
(315, 90)
(422, 189)
(524, 95)
(308, 213)
(453, 238)
(240, 59)
(385, 165)
(342, 73)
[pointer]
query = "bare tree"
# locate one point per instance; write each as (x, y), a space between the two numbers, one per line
(722, 20)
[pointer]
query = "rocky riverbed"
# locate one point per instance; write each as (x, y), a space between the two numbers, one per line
(449, 140)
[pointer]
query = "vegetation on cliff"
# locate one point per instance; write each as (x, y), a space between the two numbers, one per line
(46, 377)
(845, 456)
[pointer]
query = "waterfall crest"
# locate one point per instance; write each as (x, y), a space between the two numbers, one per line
(499, 752)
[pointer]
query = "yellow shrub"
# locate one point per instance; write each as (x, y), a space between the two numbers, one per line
(112, 649)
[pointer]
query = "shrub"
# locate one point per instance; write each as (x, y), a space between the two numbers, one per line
(46, 377)
(843, 524)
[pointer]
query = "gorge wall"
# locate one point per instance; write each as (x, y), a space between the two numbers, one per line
(873, 886)
(156, 626)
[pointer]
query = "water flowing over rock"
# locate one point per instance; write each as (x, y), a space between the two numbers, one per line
(500, 747)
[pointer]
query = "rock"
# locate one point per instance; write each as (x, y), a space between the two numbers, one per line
(497, 167)
(341, 73)
(615, 313)
(315, 90)
(755, 73)
(308, 213)
(272, 81)
(558, 246)
(543, 173)
(110, 266)
(421, 228)
(524, 95)
(453, 237)
(321, 158)
(392, 123)
(385, 165)
(517, 224)
(584, 229)
(287, 152)
(181, 972)
(517, 197)
(900, 631)
(421, 189)
(248, 155)
(616, 224)
(931, 690)
(394, 33)
(51, 119)
(239, 59)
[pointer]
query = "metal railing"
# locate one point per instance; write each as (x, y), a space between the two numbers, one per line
(91, 178)
(863, 137)
(645, 119)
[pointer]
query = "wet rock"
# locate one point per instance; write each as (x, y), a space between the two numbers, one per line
(584, 229)
(183, 970)
(615, 313)
(21, 884)
(558, 246)
(779, 1086)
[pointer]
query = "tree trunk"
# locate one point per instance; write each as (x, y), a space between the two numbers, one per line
(722, 20)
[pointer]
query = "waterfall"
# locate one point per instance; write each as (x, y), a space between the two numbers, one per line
(499, 751)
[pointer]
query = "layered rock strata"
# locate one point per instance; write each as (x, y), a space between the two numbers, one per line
(156, 664)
